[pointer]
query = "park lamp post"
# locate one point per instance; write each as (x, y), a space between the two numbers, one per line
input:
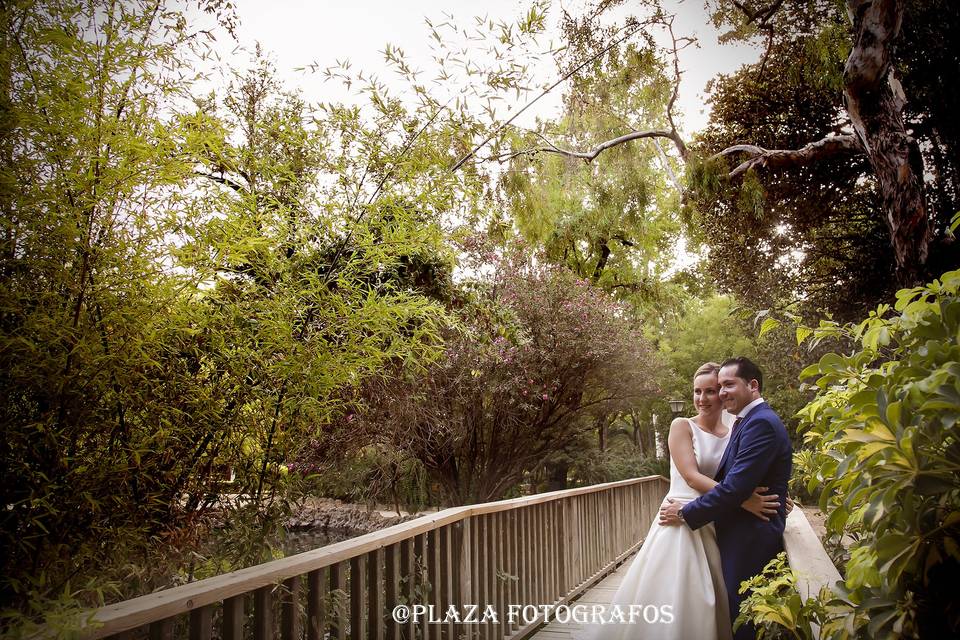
(676, 407)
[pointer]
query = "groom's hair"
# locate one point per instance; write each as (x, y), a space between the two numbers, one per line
(746, 369)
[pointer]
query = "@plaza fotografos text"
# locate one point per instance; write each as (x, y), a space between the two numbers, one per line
(527, 614)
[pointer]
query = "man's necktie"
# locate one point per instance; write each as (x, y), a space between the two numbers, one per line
(736, 423)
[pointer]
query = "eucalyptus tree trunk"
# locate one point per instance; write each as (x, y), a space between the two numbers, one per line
(875, 101)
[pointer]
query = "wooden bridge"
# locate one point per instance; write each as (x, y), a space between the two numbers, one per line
(510, 556)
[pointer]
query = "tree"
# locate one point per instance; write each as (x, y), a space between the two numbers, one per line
(809, 236)
(317, 287)
(818, 85)
(707, 331)
(537, 348)
(91, 368)
(874, 105)
(613, 224)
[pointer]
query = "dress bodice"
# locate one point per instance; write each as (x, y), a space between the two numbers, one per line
(708, 450)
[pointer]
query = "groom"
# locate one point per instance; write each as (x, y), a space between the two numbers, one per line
(758, 454)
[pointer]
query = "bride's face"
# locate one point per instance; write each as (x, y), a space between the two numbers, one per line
(706, 394)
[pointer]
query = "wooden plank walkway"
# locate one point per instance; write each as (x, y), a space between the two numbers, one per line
(804, 551)
(600, 593)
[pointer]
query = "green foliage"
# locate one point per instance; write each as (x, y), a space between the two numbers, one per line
(613, 219)
(197, 282)
(815, 232)
(188, 283)
(620, 461)
(775, 607)
(707, 331)
(715, 328)
(885, 457)
(102, 413)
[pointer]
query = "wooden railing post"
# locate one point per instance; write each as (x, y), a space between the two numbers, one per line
(317, 604)
(391, 559)
(495, 562)
(462, 546)
(408, 584)
(201, 623)
(433, 575)
(290, 609)
(446, 577)
(233, 618)
(358, 597)
(513, 596)
(374, 590)
(338, 588)
(162, 630)
(263, 613)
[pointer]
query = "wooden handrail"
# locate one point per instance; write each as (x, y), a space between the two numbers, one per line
(553, 541)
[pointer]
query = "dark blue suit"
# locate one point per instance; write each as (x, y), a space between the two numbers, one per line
(759, 454)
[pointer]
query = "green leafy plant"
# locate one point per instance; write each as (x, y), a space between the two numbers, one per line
(776, 608)
(885, 459)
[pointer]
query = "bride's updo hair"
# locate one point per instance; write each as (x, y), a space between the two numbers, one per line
(707, 367)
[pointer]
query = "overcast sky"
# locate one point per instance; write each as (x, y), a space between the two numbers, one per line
(297, 33)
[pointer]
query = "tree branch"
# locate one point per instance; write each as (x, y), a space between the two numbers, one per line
(587, 156)
(762, 15)
(671, 134)
(758, 157)
(236, 186)
(498, 130)
(677, 140)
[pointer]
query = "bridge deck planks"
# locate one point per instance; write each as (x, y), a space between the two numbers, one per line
(600, 593)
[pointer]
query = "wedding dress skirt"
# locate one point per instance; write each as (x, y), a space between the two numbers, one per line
(675, 581)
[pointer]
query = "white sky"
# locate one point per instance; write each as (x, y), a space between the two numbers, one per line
(297, 33)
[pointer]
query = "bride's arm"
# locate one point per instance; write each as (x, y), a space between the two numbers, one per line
(681, 450)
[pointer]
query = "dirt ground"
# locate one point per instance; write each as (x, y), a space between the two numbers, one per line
(816, 520)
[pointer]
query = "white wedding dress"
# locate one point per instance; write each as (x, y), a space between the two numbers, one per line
(675, 568)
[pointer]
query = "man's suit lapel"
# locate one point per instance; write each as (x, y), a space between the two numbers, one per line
(730, 453)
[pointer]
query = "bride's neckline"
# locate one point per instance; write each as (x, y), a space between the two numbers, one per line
(709, 433)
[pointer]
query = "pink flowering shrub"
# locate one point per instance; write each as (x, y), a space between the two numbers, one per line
(536, 349)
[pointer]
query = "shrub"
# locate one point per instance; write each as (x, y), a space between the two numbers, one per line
(884, 460)
(775, 607)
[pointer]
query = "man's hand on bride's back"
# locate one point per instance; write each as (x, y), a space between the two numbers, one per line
(763, 505)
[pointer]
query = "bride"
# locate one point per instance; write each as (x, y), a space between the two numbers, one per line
(677, 570)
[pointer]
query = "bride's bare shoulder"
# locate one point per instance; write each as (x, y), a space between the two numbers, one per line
(685, 424)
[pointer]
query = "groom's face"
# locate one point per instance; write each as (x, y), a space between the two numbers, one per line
(735, 392)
